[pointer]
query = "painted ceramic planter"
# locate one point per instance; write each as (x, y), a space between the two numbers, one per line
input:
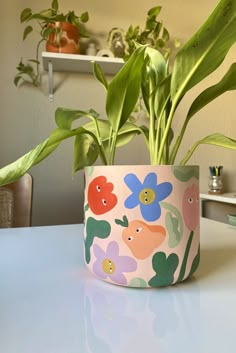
(142, 224)
(65, 38)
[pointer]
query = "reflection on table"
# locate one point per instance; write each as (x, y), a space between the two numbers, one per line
(50, 303)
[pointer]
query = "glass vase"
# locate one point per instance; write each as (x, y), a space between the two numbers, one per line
(215, 184)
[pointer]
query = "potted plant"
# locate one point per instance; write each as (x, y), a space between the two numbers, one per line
(142, 222)
(60, 31)
(155, 34)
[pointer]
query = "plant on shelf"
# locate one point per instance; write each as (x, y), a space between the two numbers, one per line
(146, 71)
(51, 23)
(155, 34)
(123, 43)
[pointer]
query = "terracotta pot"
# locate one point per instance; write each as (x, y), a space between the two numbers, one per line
(142, 224)
(65, 39)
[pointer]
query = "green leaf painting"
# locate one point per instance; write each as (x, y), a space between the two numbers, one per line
(165, 268)
(174, 224)
(94, 228)
(195, 263)
(185, 173)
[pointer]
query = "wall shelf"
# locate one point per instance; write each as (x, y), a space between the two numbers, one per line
(229, 197)
(55, 62)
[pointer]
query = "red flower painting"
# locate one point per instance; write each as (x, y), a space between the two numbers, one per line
(100, 196)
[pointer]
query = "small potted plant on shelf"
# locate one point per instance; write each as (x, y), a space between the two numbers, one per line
(142, 222)
(60, 31)
(123, 43)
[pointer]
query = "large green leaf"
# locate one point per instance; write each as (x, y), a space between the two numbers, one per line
(125, 134)
(15, 170)
(205, 51)
(55, 138)
(156, 62)
(18, 168)
(85, 151)
(214, 139)
(65, 117)
(99, 75)
(154, 72)
(162, 96)
(123, 91)
(86, 147)
(228, 83)
(102, 126)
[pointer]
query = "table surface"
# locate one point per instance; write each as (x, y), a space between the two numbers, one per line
(50, 303)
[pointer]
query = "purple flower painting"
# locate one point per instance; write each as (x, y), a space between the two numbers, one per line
(109, 264)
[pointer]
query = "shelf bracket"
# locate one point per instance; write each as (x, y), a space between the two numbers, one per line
(50, 80)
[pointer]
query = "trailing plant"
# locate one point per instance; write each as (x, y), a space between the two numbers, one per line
(29, 72)
(146, 71)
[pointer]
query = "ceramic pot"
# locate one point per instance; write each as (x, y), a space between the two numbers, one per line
(142, 224)
(65, 38)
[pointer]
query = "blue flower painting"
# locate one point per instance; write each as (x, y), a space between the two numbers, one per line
(147, 195)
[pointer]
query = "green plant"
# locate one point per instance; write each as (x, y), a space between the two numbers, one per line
(146, 71)
(155, 34)
(29, 72)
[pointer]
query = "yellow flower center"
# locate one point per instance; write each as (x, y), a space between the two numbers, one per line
(147, 196)
(108, 266)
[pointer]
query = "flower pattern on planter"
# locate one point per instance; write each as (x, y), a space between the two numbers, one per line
(141, 224)
(100, 229)
(190, 210)
(141, 238)
(184, 173)
(138, 282)
(190, 207)
(147, 195)
(165, 268)
(100, 196)
(109, 264)
(174, 224)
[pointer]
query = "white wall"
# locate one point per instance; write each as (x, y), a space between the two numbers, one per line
(27, 116)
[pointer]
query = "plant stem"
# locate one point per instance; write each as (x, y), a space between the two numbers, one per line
(113, 148)
(152, 125)
(159, 127)
(37, 78)
(166, 133)
(178, 142)
(189, 153)
(164, 158)
(99, 140)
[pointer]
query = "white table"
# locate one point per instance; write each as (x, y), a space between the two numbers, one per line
(50, 303)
